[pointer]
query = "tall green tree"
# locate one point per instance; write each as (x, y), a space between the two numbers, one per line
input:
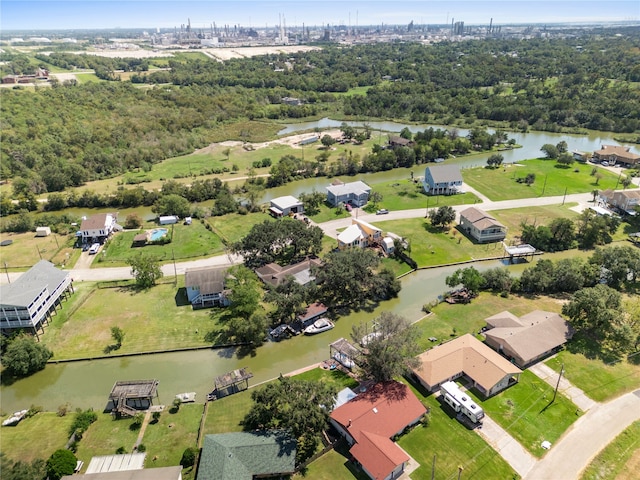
(172, 204)
(468, 277)
(145, 269)
(442, 216)
(25, 356)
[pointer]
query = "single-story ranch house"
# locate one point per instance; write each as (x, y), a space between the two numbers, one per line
(527, 339)
(274, 274)
(283, 206)
(481, 226)
(247, 455)
(354, 193)
(205, 286)
(442, 180)
(29, 301)
(466, 356)
(371, 419)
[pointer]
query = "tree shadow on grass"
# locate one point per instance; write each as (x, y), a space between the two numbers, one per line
(590, 347)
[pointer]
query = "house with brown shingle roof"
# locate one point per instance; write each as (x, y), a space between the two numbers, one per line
(482, 226)
(205, 286)
(274, 274)
(527, 339)
(626, 200)
(466, 356)
(371, 419)
(97, 228)
(615, 154)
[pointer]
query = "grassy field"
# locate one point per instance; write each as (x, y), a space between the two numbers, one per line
(27, 250)
(105, 436)
(188, 242)
(224, 415)
(155, 319)
(551, 179)
(405, 195)
(328, 213)
(87, 78)
(600, 381)
(534, 215)
(233, 227)
(35, 437)
(524, 410)
(619, 460)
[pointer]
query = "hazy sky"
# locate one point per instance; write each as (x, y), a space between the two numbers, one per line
(54, 14)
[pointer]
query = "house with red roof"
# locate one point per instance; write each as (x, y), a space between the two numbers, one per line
(370, 421)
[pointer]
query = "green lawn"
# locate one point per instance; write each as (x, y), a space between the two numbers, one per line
(174, 432)
(233, 227)
(454, 446)
(335, 378)
(500, 184)
(151, 321)
(599, 381)
(405, 195)
(105, 436)
(35, 437)
(619, 460)
(224, 415)
(27, 250)
(328, 213)
(513, 218)
(524, 410)
(87, 78)
(188, 241)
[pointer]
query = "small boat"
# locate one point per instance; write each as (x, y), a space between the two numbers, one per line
(319, 326)
(211, 397)
(279, 332)
(15, 418)
(344, 360)
(364, 341)
(187, 397)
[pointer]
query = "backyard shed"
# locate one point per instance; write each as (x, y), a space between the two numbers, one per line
(167, 219)
(43, 231)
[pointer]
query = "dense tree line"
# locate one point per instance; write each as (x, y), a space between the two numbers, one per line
(63, 136)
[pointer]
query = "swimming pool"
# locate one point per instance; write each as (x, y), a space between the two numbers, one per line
(158, 233)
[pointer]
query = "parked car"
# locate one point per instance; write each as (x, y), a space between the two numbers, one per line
(94, 249)
(382, 211)
(605, 163)
(348, 207)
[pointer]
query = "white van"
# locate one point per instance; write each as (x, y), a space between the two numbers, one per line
(94, 249)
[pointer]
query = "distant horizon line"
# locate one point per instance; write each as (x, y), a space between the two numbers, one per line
(148, 27)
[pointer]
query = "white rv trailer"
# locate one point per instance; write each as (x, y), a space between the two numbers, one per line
(460, 402)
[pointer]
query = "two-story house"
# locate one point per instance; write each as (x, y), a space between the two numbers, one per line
(360, 234)
(354, 193)
(97, 228)
(481, 226)
(442, 180)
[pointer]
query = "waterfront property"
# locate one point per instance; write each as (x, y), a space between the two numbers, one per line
(231, 382)
(625, 200)
(247, 455)
(273, 274)
(97, 228)
(371, 419)
(360, 234)
(283, 206)
(488, 372)
(129, 396)
(354, 193)
(344, 352)
(442, 180)
(528, 339)
(481, 226)
(616, 154)
(29, 301)
(206, 286)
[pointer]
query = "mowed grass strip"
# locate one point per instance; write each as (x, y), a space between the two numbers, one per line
(27, 250)
(167, 439)
(600, 381)
(224, 415)
(453, 446)
(525, 411)
(407, 195)
(105, 436)
(619, 460)
(35, 437)
(151, 320)
(551, 179)
(188, 241)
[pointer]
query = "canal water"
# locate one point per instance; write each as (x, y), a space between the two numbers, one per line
(88, 383)
(530, 142)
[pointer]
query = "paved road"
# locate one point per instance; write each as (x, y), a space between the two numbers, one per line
(586, 438)
(550, 376)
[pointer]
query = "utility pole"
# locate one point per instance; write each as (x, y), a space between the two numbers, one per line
(433, 468)
(39, 252)
(565, 195)
(175, 271)
(544, 187)
(6, 270)
(555, 392)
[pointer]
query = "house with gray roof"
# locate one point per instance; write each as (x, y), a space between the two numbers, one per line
(482, 226)
(283, 206)
(442, 180)
(206, 286)
(274, 274)
(354, 193)
(247, 455)
(29, 301)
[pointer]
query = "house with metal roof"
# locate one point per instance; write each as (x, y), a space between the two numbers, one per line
(466, 356)
(29, 301)
(283, 206)
(442, 180)
(481, 226)
(371, 419)
(528, 339)
(354, 193)
(247, 455)
(205, 286)
(162, 473)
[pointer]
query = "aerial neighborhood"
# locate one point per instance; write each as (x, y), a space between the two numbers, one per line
(348, 253)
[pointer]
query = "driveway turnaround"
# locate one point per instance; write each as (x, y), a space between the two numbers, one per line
(586, 438)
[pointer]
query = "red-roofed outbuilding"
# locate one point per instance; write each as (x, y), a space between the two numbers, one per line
(371, 419)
